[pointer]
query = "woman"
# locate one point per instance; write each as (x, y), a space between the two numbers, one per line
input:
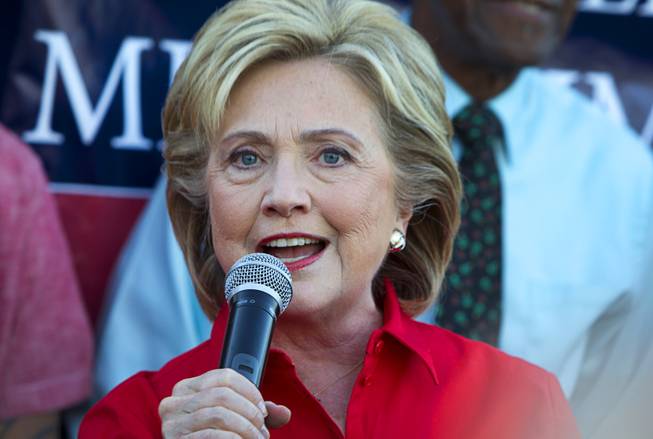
(315, 131)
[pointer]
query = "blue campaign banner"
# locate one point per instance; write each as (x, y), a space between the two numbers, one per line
(86, 82)
(83, 83)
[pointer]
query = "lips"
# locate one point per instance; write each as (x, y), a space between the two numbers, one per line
(524, 12)
(295, 250)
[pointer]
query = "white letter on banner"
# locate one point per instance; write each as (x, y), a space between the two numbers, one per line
(605, 94)
(621, 7)
(646, 9)
(178, 50)
(89, 119)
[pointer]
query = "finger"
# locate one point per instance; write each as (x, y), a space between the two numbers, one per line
(170, 407)
(220, 378)
(278, 415)
(224, 397)
(221, 418)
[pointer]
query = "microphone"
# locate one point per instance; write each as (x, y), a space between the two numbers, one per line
(257, 288)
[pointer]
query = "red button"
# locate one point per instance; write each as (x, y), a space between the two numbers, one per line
(378, 347)
(365, 381)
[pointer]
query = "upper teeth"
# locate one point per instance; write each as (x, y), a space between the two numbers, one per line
(292, 242)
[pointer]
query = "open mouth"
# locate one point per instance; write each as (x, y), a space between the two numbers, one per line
(296, 252)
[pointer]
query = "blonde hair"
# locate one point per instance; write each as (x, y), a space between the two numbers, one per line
(390, 61)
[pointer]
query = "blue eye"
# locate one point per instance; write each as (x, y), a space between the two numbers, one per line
(248, 159)
(333, 156)
(245, 159)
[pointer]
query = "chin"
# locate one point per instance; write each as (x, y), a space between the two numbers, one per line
(308, 299)
(517, 56)
(315, 301)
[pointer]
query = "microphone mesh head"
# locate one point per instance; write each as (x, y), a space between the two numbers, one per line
(262, 269)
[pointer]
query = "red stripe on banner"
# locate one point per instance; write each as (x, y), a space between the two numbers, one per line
(96, 228)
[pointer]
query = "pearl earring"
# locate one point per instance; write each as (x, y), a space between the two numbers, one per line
(397, 241)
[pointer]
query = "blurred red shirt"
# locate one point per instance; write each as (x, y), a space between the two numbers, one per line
(46, 344)
(417, 381)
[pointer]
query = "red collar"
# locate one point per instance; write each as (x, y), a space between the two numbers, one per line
(414, 336)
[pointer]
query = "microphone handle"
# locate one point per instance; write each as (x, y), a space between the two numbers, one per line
(252, 316)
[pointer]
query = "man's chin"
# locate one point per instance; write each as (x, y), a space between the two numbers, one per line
(517, 56)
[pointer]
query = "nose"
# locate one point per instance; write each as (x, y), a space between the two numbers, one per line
(287, 189)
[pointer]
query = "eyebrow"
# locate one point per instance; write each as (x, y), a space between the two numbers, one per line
(304, 137)
(312, 135)
(256, 136)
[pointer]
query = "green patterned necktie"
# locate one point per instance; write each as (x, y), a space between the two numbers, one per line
(471, 303)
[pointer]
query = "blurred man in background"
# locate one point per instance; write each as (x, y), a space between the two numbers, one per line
(557, 213)
(45, 337)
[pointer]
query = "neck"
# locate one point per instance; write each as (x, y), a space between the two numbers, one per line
(482, 79)
(334, 337)
(479, 81)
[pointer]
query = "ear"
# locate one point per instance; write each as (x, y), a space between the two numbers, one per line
(403, 218)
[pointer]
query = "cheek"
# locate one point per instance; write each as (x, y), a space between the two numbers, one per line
(231, 221)
(364, 215)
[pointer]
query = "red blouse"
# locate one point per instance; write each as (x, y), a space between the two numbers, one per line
(417, 381)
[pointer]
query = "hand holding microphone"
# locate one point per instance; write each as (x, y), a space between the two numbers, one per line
(258, 288)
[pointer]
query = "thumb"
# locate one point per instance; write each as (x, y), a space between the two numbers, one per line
(278, 415)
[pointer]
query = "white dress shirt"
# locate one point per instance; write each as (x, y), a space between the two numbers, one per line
(577, 208)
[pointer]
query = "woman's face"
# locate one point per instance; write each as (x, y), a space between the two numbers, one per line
(300, 172)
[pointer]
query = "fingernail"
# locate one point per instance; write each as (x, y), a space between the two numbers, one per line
(261, 406)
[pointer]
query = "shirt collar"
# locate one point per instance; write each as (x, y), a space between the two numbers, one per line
(413, 335)
(509, 106)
